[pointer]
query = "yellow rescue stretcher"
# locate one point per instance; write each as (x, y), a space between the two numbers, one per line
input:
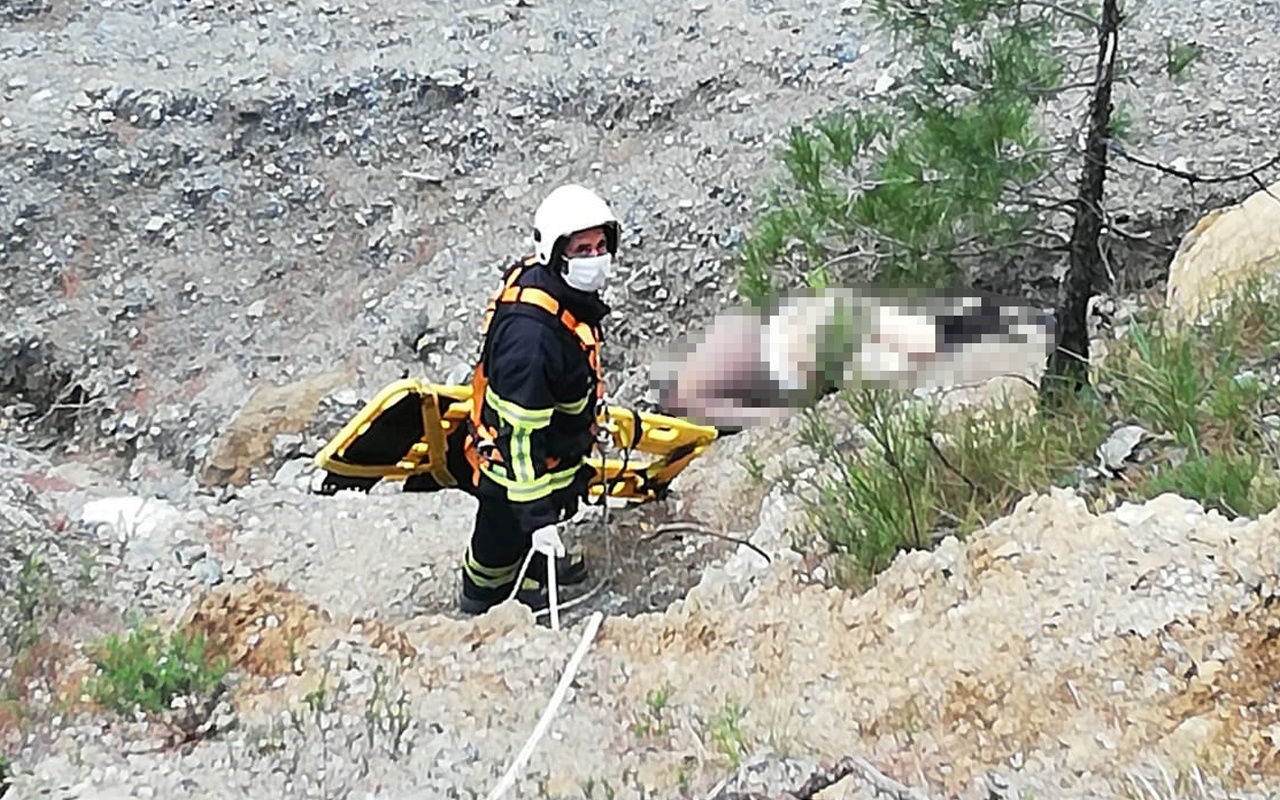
(413, 431)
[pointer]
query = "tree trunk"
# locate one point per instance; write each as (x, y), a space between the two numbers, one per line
(1067, 368)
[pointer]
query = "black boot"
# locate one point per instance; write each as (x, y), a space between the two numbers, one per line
(571, 568)
(485, 587)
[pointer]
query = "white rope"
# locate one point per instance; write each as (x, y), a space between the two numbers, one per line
(524, 568)
(551, 585)
(551, 592)
(579, 600)
(539, 730)
(555, 607)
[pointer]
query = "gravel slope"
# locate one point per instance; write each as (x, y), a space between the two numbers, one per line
(201, 199)
(207, 196)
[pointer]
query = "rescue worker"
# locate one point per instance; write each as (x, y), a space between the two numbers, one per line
(536, 390)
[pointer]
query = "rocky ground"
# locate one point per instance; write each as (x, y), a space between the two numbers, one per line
(226, 224)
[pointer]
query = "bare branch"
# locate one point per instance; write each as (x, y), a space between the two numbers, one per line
(997, 249)
(1193, 177)
(883, 783)
(946, 462)
(883, 438)
(702, 530)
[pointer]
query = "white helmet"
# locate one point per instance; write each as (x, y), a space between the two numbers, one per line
(564, 212)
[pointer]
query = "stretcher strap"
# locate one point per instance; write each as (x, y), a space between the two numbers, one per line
(437, 447)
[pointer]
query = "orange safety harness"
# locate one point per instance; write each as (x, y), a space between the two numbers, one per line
(480, 445)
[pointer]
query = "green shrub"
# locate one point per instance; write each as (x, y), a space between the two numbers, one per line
(1218, 481)
(921, 478)
(879, 501)
(144, 670)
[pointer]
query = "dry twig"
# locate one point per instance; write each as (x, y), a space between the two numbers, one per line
(825, 779)
(693, 527)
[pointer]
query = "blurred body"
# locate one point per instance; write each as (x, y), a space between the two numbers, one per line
(757, 366)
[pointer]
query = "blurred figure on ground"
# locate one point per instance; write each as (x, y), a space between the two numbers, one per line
(757, 366)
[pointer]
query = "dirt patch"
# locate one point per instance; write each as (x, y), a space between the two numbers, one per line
(650, 555)
(269, 411)
(388, 640)
(651, 558)
(263, 629)
(37, 671)
(1225, 719)
(47, 679)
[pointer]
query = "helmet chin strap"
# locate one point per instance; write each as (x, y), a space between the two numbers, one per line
(557, 251)
(559, 262)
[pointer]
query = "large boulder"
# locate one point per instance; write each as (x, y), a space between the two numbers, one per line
(1228, 247)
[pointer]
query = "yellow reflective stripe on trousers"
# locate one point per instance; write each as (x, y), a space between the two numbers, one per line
(528, 491)
(483, 580)
(488, 577)
(574, 408)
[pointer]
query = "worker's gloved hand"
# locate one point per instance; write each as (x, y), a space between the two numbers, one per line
(546, 540)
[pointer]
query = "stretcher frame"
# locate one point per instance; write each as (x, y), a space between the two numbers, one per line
(429, 460)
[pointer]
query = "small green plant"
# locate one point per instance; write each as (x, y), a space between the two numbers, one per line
(268, 738)
(386, 716)
(683, 779)
(316, 698)
(921, 477)
(726, 733)
(318, 702)
(983, 464)
(32, 598)
(878, 502)
(652, 723)
(1217, 481)
(6, 774)
(146, 671)
(87, 563)
(1167, 378)
(1122, 123)
(1177, 57)
(1198, 382)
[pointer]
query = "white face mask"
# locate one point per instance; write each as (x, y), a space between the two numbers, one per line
(588, 274)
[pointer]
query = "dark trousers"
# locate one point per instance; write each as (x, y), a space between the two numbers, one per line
(496, 538)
